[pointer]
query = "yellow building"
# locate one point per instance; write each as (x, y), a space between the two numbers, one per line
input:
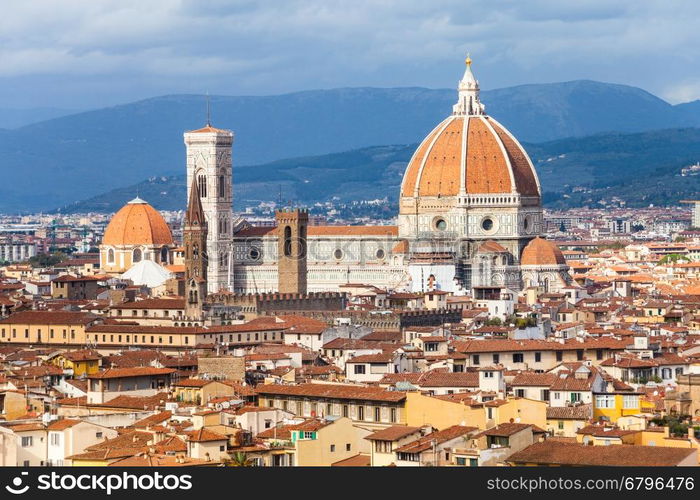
(46, 327)
(200, 391)
(442, 412)
(616, 404)
(83, 362)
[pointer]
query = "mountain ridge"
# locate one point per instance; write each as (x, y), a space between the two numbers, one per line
(77, 156)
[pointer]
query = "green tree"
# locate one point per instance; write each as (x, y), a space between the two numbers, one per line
(239, 459)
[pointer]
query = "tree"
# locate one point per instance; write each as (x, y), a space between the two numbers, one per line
(47, 259)
(239, 459)
(494, 322)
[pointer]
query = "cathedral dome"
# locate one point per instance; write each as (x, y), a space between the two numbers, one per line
(137, 223)
(469, 153)
(540, 252)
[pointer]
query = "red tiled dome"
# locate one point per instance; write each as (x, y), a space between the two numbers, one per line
(473, 154)
(540, 252)
(137, 223)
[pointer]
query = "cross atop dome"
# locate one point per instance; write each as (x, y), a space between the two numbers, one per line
(468, 102)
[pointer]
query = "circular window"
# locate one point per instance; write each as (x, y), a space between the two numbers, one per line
(380, 254)
(254, 253)
(487, 224)
(440, 224)
(338, 254)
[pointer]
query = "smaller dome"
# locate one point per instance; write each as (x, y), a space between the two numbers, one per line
(490, 246)
(137, 223)
(147, 273)
(540, 252)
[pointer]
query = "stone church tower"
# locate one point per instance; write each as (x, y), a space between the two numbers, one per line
(291, 250)
(209, 169)
(195, 241)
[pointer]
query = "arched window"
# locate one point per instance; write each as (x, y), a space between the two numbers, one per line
(136, 256)
(222, 187)
(110, 256)
(223, 260)
(164, 255)
(287, 241)
(202, 185)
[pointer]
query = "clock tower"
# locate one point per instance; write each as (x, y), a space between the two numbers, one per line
(209, 169)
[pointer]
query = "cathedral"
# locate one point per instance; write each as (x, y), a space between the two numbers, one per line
(470, 216)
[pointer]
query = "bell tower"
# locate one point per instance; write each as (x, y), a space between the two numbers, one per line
(209, 169)
(195, 242)
(291, 250)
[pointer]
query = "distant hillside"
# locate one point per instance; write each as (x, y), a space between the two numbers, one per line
(640, 168)
(86, 154)
(20, 117)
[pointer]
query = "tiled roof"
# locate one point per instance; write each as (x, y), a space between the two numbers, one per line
(393, 433)
(426, 442)
(137, 224)
(50, 318)
(62, 424)
(138, 371)
(334, 391)
(204, 435)
(581, 412)
(558, 453)
(532, 379)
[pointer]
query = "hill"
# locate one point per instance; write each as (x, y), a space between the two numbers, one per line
(85, 154)
(640, 168)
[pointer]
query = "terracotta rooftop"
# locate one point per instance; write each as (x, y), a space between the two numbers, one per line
(559, 453)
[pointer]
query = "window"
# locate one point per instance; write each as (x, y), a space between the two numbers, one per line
(222, 447)
(55, 439)
(599, 354)
(110, 256)
(487, 224)
(579, 354)
(202, 186)
(345, 410)
(520, 393)
(137, 255)
(431, 346)
(557, 395)
(98, 435)
(377, 414)
(332, 448)
(605, 401)
(26, 441)
(475, 359)
(538, 357)
(360, 413)
(348, 447)
(560, 425)
(359, 369)
(222, 187)
(559, 355)
(488, 374)
(630, 401)
(393, 414)
(575, 397)
(518, 357)
(496, 359)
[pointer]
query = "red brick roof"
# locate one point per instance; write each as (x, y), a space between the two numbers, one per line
(558, 453)
(50, 318)
(332, 391)
(138, 371)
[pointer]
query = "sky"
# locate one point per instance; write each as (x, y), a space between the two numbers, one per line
(82, 54)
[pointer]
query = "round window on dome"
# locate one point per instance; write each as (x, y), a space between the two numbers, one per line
(440, 224)
(380, 254)
(338, 254)
(487, 223)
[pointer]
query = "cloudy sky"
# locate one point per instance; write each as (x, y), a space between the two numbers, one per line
(86, 53)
